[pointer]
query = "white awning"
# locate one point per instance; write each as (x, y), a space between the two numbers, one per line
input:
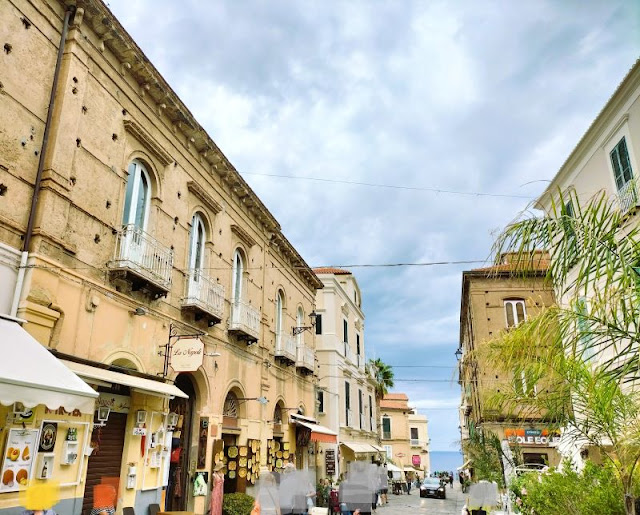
(140, 384)
(30, 374)
(360, 448)
(393, 468)
(295, 417)
(319, 433)
(378, 448)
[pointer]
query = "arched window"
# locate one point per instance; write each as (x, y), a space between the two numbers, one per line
(230, 408)
(279, 318)
(300, 323)
(196, 246)
(277, 414)
(238, 272)
(515, 311)
(136, 200)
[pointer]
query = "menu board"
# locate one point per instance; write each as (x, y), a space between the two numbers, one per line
(17, 461)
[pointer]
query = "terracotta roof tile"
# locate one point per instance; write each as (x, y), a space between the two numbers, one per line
(330, 270)
(395, 400)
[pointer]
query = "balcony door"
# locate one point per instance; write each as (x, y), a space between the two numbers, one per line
(136, 212)
(196, 257)
(237, 286)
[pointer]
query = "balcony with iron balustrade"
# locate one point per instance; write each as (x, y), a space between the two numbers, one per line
(286, 348)
(244, 321)
(628, 196)
(143, 261)
(306, 359)
(204, 296)
(349, 355)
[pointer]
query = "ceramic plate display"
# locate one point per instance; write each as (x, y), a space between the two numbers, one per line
(243, 451)
(224, 459)
(254, 446)
(285, 455)
(285, 446)
(232, 465)
(232, 474)
(279, 454)
(233, 452)
(249, 463)
(276, 446)
(242, 473)
(278, 463)
(242, 462)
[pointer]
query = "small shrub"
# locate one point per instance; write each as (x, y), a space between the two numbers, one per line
(237, 504)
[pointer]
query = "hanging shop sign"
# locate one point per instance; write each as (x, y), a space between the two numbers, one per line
(532, 436)
(330, 461)
(115, 403)
(18, 459)
(415, 460)
(187, 354)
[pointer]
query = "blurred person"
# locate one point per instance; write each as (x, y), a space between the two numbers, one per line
(217, 489)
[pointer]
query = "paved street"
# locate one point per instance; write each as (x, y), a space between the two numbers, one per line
(407, 504)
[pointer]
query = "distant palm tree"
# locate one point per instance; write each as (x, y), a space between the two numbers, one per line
(383, 376)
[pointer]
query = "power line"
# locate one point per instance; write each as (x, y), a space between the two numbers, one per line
(391, 186)
(228, 267)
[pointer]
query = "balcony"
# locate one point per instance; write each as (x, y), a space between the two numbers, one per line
(204, 296)
(386, 435)
(349, 414)
(628, 196)
(415, 442)
(348, 354)
(362, 426)
(244, 321)
(143, 260)
(373, 424)
(360, 361)
(306, 358)
(286, 348)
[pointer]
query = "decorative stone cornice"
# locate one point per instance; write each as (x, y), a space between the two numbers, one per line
(243, 235)
(203, 196)
(147, 141)
(345, 308)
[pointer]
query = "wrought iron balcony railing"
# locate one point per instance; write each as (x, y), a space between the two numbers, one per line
(245, 319)
(204, 294)
(286, 347)
(145, 257)
(306, 358)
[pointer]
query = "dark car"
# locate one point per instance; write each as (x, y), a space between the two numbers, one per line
(432, 487)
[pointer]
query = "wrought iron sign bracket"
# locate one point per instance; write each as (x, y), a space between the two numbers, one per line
(165, 350)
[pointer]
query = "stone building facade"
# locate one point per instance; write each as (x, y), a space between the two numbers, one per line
(144, 232)
(404, 434)
(494, 299)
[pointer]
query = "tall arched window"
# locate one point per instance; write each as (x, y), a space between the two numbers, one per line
(300, 323)
(231, 408)
(136, 200)
(196, 246)
(279, 320)
(238, 272)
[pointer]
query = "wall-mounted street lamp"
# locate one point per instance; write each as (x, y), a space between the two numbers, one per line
(458, 353)
(301, 329)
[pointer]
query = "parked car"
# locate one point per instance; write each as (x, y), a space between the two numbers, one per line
(432, 487)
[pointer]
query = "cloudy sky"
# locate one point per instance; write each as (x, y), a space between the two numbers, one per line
(432, 104)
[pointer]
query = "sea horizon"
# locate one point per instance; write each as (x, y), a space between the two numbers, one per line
(445, 460)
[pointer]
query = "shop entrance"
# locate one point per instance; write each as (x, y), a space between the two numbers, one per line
(105, 462)
(178, 487)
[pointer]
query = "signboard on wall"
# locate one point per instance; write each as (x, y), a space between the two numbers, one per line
(17, 464)
(187, 354)
(415, 460)
(330, 461)
(542, 437)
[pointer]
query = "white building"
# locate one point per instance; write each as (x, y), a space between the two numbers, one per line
(346, 401)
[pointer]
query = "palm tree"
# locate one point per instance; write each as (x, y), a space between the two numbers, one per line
(589, 342)
(383, 376)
